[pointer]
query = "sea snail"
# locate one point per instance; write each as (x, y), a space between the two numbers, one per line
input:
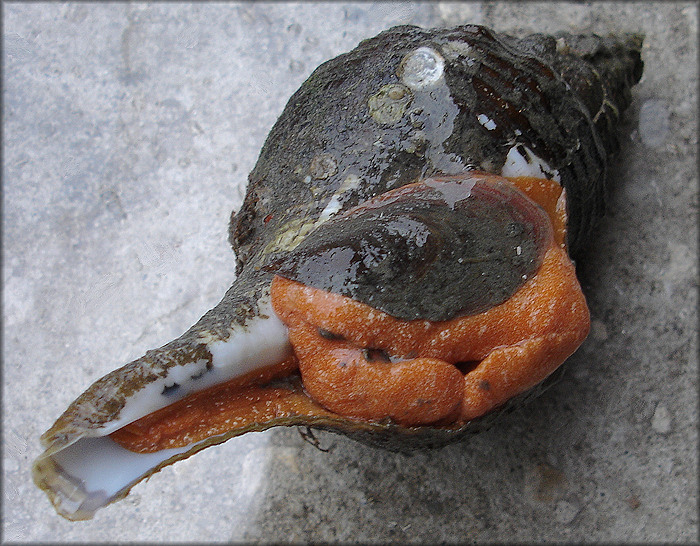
(404, 259)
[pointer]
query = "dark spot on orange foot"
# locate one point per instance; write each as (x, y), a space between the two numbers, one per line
(363, 383)
(484, 385)
(516, 344)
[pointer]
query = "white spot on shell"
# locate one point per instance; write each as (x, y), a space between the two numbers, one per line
(562, 46)
(335, 204)
(486, 122)
(422, 68)
(332, 207)
(455, 50)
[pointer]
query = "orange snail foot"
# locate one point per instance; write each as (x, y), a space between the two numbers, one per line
(508, 371)
(516, 344)
(368, 384)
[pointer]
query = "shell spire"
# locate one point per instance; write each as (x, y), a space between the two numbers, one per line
(606, 70)
(601, 71)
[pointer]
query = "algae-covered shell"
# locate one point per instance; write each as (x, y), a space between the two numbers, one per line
(541, 105)
(403, 106)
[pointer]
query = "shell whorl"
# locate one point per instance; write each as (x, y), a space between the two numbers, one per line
(557, 97)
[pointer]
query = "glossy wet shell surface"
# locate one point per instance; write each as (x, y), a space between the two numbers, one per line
(410, 103)
(401, 106)
(434, 250)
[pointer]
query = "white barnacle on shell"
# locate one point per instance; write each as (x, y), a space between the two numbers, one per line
(421, 68)
(455, 50)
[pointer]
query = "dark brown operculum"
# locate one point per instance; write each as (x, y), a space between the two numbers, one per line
(434, 250)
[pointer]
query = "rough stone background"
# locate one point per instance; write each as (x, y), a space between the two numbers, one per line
(129, 130)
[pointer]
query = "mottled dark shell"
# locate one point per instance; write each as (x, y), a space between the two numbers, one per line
(405, 106)
(559, 96)
(355, 130)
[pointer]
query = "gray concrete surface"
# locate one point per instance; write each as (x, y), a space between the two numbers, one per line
(129, 130)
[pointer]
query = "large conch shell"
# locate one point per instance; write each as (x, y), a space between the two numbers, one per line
(404, 106)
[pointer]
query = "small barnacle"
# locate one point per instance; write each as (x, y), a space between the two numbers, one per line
(562, 47)
(454, 50)
(421, 68)
(390, 103)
